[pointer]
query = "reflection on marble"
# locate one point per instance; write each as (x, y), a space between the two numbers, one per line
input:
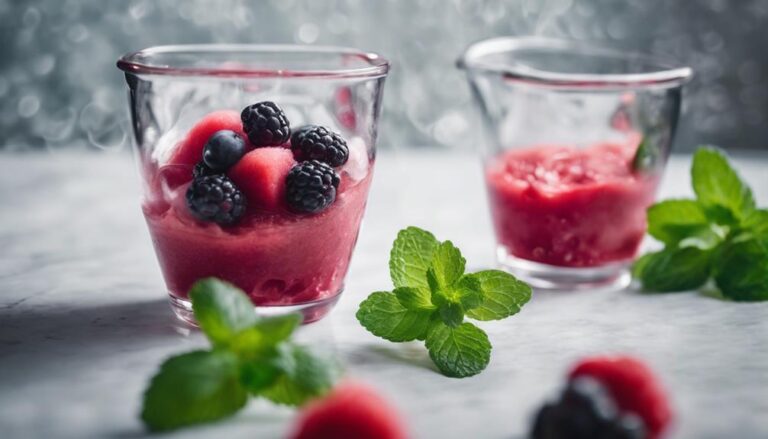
(84, 322)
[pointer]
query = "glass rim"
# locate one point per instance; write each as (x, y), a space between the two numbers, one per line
(132, 62)
(667, 73)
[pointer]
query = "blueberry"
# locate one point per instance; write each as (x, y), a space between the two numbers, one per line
(223, 149)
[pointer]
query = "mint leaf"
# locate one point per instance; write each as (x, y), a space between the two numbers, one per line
(251, 355)
(638, 267)
(257, 375)
(721, 235)
(705, 238)
(432, 281)
(303, 375)
(468, 292)
(263, 335)
(502, 295)
(411, 256)
(719, 187)
(384, 316)
(414, 298)
(458, 352)
(757, 223)
(431, 298)
(221, 309)
(741, 268)
(191, 388)
(451, 313)
(452, 302)
(671, 221)
(673, 269)
(447, 264)
(646, 156)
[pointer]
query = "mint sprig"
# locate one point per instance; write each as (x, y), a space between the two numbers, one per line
(720, 235)
(249, 356)
(432, 297)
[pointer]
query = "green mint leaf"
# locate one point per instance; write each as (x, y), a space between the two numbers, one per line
(259, 374)
(719, 187)
(646, 156)
(458, 352)
(384, 316)
(192, 388)
(304, 375)
(671, 221)
(638, 267)
(411, 256)
(468, 291)
(221, 309)
(451, 313)
(673, 269)
(757, 223)
(263, 335)
(432, 282)
(415, 298)
(502, 295)
(705, 238)
(741, 268)
(447, 264)
(453, 301)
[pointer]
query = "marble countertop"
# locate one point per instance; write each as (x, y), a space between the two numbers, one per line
(84, 320)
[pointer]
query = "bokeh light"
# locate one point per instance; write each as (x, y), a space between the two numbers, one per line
(59, 87)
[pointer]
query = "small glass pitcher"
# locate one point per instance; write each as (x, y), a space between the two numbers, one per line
(578, 137)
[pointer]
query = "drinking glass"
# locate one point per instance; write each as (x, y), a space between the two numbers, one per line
(577, 139)
(285, 261)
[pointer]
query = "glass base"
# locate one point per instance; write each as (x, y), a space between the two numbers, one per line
(312, 311)
(614, 276)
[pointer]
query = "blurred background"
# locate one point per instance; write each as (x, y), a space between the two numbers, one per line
(59, 88)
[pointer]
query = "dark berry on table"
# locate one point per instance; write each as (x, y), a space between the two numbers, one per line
(223, 149)
(215, 198)
(310, 187)
(585, 410)
(633, 386)
(201, 170)
(319, 143)
(265, 124)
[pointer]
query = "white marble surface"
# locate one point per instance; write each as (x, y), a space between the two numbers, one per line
(84, 321)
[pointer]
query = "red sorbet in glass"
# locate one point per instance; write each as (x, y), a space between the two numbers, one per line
(567, 206)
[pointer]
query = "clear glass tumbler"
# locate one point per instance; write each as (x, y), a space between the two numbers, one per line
(578, 137)
(286, 259)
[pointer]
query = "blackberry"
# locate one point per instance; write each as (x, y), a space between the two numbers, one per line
(201, 170)
(310, 187)
(319, 143)
(585, 411)
(265, 124)
(215, 198)
(223, 149)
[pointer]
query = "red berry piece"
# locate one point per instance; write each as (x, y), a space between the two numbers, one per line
(261, 175)
(633, 387)
(351, 410)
